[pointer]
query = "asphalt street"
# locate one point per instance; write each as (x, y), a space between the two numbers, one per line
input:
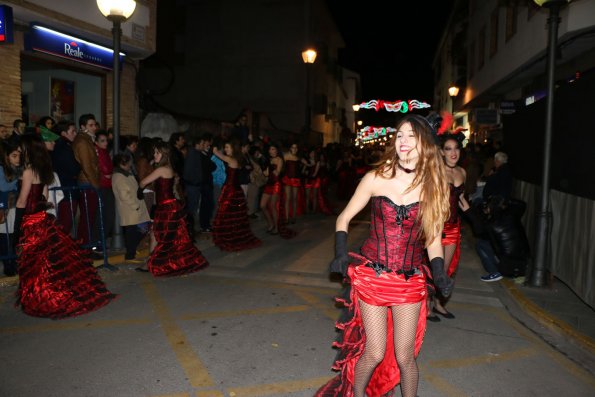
(261, 323)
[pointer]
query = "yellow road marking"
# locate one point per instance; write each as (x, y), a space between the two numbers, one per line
(195, 370)
(570, 366)
(246, 312)
(547, 319)
(441, 384)
(278, 388)
(61, 326)
(327, 308)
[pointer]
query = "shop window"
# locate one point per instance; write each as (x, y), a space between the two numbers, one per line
(511, 20)
(481, 48)
(494, 33)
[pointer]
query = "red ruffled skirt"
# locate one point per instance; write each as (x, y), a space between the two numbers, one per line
(295, 182)
(56, 276)
(272, 189)
(174, 253)
(231, 227)
(451, 234)
(390, 289)
(284, 231)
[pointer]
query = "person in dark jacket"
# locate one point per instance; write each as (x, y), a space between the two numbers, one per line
(501, 242)
(192, 178)
(207, 204)
(68, 169)
(499, 182)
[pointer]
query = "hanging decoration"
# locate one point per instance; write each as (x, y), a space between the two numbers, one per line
(397, 106)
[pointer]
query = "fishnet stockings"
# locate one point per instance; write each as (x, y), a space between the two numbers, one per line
(405, 325)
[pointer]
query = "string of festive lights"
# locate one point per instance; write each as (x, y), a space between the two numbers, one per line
(397, 106)
(370, 132)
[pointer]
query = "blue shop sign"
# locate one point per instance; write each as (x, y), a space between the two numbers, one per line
(6, 24)
(62, 45)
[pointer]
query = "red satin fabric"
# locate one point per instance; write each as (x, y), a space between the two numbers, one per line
(390, 289)
(56, 276)
(174, 253)
(324, 205)
(273, 187)
(295, 182)
(451, 234)
(231, 227)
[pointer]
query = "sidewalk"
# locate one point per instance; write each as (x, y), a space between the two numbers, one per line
(555, 308)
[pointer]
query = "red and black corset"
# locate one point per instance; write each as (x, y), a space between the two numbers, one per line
(393, 243)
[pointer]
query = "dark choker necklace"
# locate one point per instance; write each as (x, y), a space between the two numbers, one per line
(406, 170)
(453, 167)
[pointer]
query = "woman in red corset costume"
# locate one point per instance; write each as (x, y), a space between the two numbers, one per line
(231, 227)
(408, 194)
(173, 252)
(56, 277)
(451, 235)
(292, 182)
(271, 202)
(312, 181)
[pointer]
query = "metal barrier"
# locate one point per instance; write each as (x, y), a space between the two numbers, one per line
(68, 192)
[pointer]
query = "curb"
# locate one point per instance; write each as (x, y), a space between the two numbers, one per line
(547, 319)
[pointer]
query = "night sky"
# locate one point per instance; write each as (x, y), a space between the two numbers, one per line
(386, 47)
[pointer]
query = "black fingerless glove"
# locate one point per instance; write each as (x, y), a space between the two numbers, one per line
(441, 280)
(341, 261)
(139, 193)
(18, 219)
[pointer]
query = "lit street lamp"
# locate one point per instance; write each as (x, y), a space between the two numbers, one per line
(308, 56)
(116, 11)
(453, 91)
(544, 215)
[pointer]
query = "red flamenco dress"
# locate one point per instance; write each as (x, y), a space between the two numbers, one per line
(231, 227)
(174, 253)
(56, 276)
(274, 187)
(321, 182)
(293, 178)
(390, 271)
(451, 233)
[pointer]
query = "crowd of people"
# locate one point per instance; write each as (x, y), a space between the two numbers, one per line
(419, 188)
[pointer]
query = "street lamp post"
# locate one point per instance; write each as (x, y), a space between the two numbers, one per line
(544, 215)
(453, 91)
(116, 11)
(308, 56)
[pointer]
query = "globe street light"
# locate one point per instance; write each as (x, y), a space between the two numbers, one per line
(453, 91)
(544, 215)
(308, 56)
(116, 11)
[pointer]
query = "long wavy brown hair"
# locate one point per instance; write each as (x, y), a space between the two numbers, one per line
(430, 174)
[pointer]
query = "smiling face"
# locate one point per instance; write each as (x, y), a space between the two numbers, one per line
(451, 152)
(227, 149)
(406, 143)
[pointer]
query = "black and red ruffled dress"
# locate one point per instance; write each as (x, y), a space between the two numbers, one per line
(231, 227)
(451, 233)
(390, 271)
(273, 187)
(56, 276)
(174, 253)
(292, 174)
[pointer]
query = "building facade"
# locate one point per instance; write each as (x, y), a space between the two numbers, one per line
(233, 55)
(59, 61)
(496, 51)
